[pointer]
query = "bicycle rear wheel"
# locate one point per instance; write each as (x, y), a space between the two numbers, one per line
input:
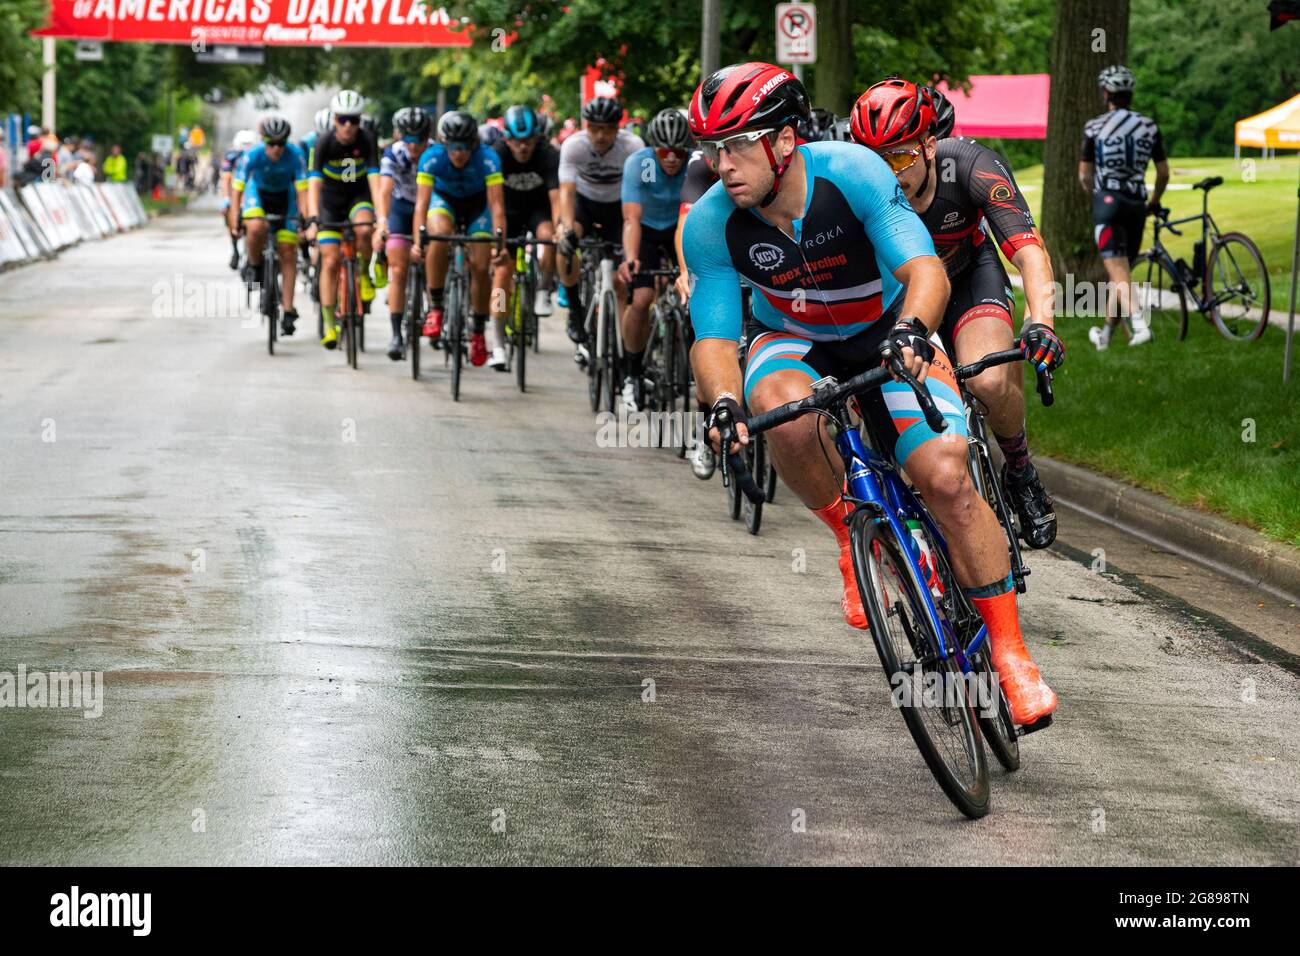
(940, 719)
(520, 317)
(1237, 285)
(679, 383)
(1160, 295)
(270, 292)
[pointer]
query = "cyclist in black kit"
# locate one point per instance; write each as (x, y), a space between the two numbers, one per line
(1117, 145)
(966, 196)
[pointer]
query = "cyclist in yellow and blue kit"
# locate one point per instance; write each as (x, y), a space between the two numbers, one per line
(271, 180)
(459, 189)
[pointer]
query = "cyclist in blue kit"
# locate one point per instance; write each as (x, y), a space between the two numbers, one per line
(840, 265)
(651, 194)
(271, 180)
(459, 189)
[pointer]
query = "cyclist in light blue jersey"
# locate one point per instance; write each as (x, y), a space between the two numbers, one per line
(651, 195)
(271, 180)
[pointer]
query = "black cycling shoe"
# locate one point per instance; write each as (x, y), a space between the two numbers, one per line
(395, 348)
(286, 322)
(1032, 504)
(577, 334)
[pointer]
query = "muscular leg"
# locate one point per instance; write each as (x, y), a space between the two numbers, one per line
(288, 270)
(255, 230)
(399, 255)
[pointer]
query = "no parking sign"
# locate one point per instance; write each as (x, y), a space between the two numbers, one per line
(796, 33)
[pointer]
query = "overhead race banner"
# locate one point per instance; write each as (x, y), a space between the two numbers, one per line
(257, 22)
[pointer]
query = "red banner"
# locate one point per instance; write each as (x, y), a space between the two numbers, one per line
(257, 22)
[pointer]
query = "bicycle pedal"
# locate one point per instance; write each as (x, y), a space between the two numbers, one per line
(1041, 724)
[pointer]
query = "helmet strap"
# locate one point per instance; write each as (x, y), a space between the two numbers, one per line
(778, 170)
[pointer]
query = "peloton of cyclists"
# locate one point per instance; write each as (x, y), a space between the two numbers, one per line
(837, 271)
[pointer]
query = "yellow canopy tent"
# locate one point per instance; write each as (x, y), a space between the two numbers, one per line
(1279, 128)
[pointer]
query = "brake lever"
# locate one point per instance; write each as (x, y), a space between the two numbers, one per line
(932, 416)
(733, 466)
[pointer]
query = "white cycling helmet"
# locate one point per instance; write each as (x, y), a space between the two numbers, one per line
(1117, 79)
(245, 139)
(323, 120)
(348, 103)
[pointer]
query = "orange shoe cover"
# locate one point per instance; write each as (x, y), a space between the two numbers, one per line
(833, 516)
(1027, 693)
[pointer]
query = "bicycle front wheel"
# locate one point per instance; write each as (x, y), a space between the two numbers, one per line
(414, 317)
(1237, 284)
(929, 688)
(1160, 296)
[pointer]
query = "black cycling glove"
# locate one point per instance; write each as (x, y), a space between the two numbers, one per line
(912, 334)
(734, 410)
(1042, 346)
(567, 245)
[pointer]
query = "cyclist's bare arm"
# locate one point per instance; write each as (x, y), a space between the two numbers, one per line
(1035, 267)
(568, 194)
(925, 283)
(554, 196)
(383, 200)
(1162, 180)
(717, 372)
(236, 203)
(631, 237)
(1086, 173)
(683, 282)
(496, 197)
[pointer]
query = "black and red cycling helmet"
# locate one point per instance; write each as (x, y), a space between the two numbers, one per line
(891, 112)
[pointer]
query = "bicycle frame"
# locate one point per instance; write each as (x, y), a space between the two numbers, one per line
(1209, 232)
(874, 484)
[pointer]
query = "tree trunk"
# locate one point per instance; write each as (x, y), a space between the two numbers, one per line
(1089, 35)
(833, 81)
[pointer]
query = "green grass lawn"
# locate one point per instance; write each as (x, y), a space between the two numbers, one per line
(1170, 416)
(1264, 209)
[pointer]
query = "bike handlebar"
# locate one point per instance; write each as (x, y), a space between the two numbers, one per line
(828, 392)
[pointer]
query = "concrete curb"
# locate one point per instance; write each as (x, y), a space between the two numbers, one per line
(1218, 544)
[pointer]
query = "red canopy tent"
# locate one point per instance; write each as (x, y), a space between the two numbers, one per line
(1006, 107)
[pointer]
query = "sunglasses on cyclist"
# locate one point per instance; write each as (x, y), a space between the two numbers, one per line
(274, 142)
(664, 152)
(412, 139)
(458, 146)
(738, 145)
(347, 120)
(901, 159)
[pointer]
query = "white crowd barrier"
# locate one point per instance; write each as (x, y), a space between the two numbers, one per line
(42, 218)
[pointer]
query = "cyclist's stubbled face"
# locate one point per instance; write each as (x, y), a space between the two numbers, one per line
(345, 132)
(746, 172)
(522, 149)
(602, 135)
(672, 163)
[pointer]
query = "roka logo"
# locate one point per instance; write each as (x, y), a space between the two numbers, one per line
(766, 256)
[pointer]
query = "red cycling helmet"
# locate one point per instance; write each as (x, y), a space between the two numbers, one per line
(745, 97)
(893, 111)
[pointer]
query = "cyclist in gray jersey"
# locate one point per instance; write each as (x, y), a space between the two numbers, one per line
(1117, 145)
(591, 178)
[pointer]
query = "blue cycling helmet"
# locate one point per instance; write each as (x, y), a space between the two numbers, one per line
(521, 123)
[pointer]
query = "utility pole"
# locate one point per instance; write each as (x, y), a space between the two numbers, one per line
(47, 85)
(710, 40)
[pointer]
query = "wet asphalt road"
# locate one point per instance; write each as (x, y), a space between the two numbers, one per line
(343, 620)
